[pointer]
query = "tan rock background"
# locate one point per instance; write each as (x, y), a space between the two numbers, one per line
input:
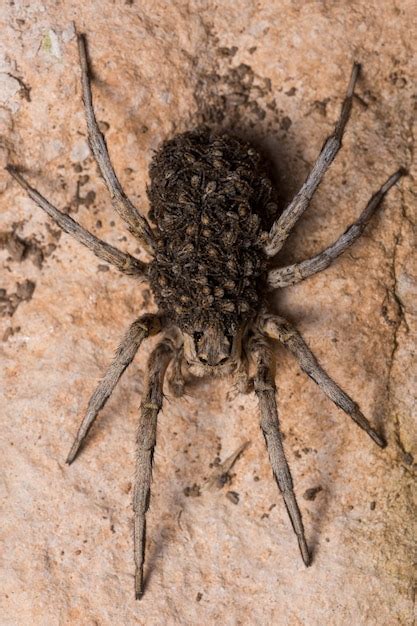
(278, 70)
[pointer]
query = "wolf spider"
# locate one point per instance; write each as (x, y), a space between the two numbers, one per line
(210, 200)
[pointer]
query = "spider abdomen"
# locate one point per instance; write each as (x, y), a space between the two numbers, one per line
(210, 199)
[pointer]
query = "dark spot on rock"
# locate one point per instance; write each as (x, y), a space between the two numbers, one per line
(25, 290)
(193, 491)
(21, 249)
(198, 596)
(398, 80)
(408, 458)
(310, 494)
(24, 88)
(223, 480)
(103, 268)
(10, 302)
(15, 246)
(55, 233)
(89, 198)
(321, 106)
(233, 496)
(8, 333)
(372, 505)
(285, 123)
(291, 92)
(227, 52)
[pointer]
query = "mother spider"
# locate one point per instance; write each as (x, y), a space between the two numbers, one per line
(210, 202)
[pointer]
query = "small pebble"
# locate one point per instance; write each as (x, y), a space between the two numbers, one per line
(233, 496)
(310, 494)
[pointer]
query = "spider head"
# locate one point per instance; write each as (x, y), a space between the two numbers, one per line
(211, 350)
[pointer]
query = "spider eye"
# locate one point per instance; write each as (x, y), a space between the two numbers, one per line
(197, 337)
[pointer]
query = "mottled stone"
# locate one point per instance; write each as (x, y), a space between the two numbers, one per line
(67, 556)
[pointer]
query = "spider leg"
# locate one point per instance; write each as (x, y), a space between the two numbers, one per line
(244, 384)
(284, 224)
(265, 391)
(176, 382)
(145, 326)
(278, 328)
(292, 274)
(146, 440)
(124, 262)
(138, 225)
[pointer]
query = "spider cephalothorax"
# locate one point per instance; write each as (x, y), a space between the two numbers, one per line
(211, 203)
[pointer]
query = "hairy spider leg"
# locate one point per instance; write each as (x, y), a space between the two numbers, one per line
(176, 382)
(138, 225)
(283, 225)
(146, 439)
(141, 328)
(279, 328)
(292, 274)
(266, 393)
(124, 262)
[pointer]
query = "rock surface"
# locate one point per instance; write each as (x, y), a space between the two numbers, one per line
(278, 71)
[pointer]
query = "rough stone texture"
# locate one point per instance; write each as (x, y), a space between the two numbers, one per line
(225, 556)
